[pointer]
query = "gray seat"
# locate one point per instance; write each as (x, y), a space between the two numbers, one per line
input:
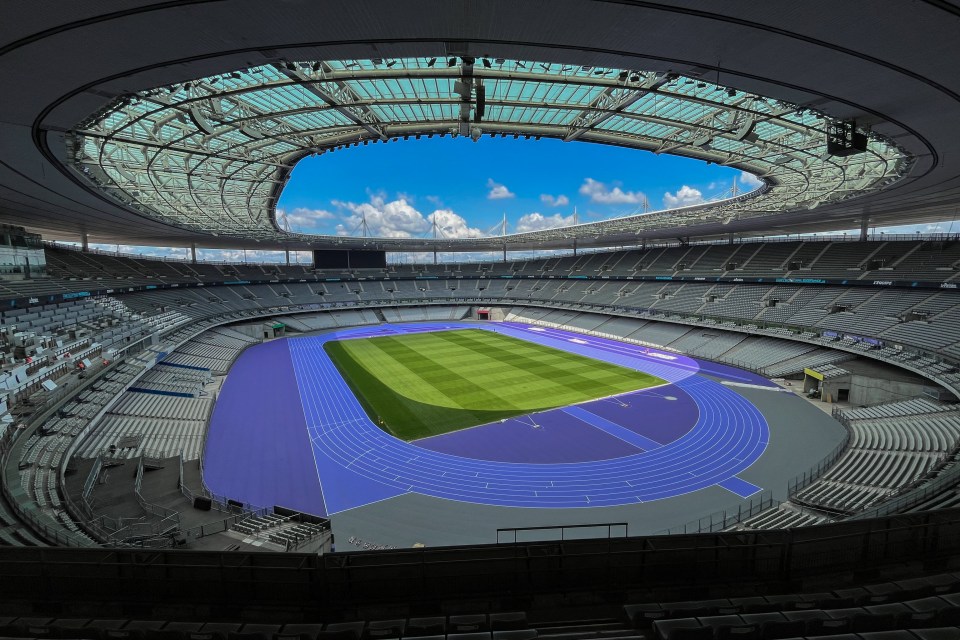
(385, 629)
(475, 635)
(420, 627)
(301, 629)
(664, 628)
(467, 623)
(510, 621)
(516, 634)
(933, 603)
(938, 633)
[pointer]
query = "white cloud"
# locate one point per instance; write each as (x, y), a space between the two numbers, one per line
(498, 191)
(539, 222)
(930, 227)
(302, 218)
(750, 180)
(452, 225)
(601, 193)
(554, 201)
(151, 252)
(400, 219)
(394, 219)
(220, 255)
(684, 197)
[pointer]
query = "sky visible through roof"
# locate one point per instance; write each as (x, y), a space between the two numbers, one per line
(400, 188)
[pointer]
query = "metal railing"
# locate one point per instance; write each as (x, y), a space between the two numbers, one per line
(725, 518)
(559, 532)
(805, 479)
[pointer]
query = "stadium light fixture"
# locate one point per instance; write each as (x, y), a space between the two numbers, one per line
(432, 62)
(486, 63)
(451, 61)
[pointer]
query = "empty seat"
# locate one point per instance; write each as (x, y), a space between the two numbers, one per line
(467, 623)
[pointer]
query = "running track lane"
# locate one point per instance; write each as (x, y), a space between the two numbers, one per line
(257, 435)
(359, 463)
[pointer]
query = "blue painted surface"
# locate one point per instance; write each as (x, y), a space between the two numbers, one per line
(641, 442)
(740, 487)
(717, 434)
(543, 438)
(258, 450)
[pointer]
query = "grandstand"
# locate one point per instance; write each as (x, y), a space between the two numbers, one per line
(180, 459)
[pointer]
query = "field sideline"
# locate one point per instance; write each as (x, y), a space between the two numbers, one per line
(420, 385)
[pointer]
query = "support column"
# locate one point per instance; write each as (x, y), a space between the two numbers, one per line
(574, 247)
(730, 238)
(864, 227)
(85, 241)
(287, 253)
(193, 254)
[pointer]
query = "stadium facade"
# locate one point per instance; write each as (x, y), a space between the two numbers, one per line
(178, 123)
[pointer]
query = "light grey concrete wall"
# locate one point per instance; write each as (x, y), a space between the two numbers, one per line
(865, 390)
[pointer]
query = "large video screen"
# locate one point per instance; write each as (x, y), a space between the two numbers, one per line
(349, 259)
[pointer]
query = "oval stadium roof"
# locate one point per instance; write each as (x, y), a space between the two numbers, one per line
(179, 123)
(213, 154)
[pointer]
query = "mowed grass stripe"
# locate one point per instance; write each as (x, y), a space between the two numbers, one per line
(551, 363)
(435, 372)
(396, 413)
(425, 384)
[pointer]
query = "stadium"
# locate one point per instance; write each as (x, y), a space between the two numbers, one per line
(733, 417)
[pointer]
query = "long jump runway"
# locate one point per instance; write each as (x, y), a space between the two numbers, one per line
(287, 430)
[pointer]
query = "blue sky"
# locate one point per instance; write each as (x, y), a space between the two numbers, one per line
(400, 187)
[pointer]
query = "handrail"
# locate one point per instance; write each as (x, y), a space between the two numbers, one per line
(725, 518)
(805, 479)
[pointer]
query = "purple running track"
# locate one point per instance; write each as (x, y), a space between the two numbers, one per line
(261, 450)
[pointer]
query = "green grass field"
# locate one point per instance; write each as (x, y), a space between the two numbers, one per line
(425, 384)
